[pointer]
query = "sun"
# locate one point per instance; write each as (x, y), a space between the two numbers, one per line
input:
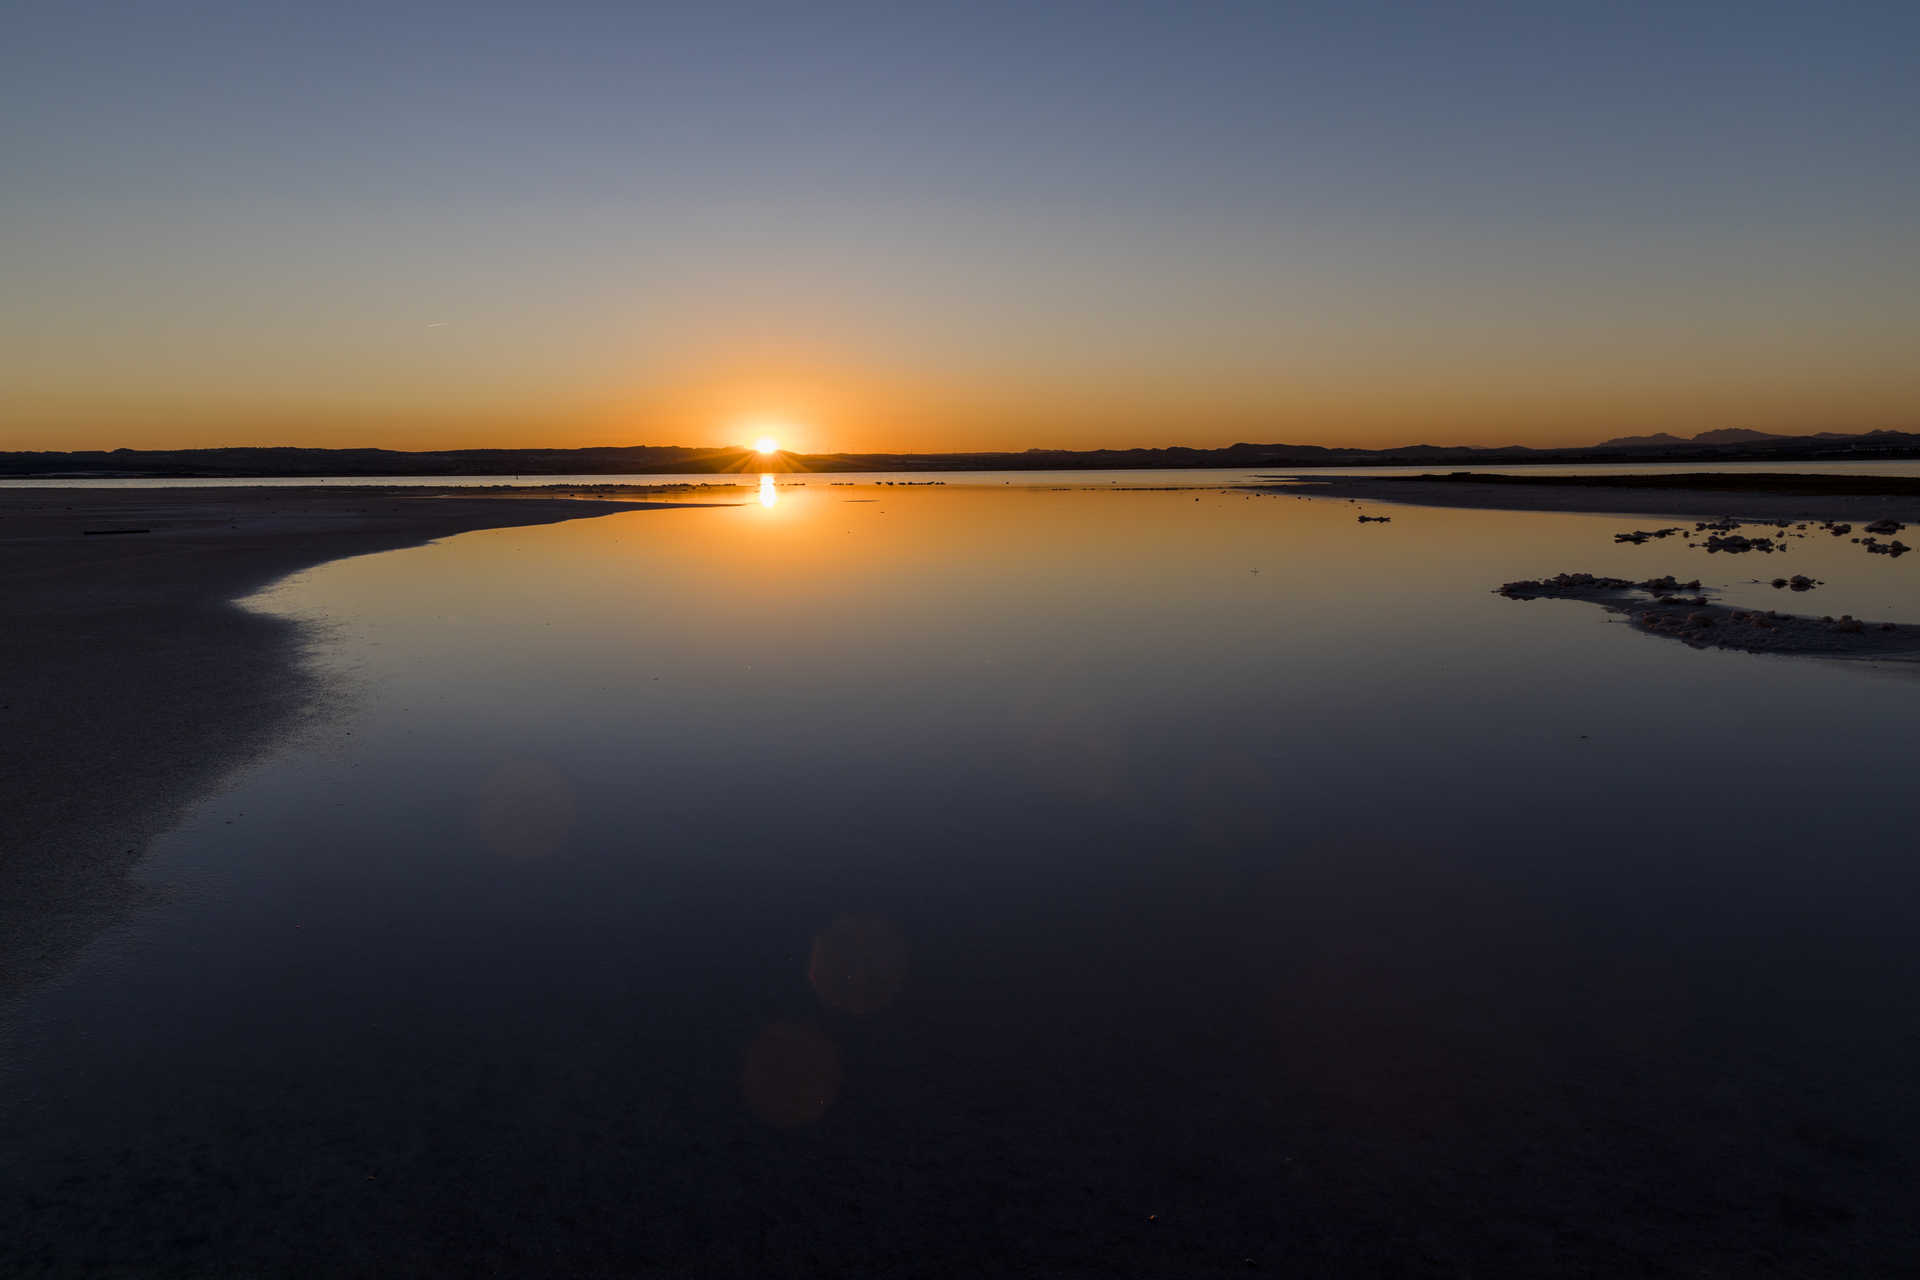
(766, 446)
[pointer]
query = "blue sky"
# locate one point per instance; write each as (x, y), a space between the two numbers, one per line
(978, 225)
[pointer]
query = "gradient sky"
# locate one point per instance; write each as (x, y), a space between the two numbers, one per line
(964, 226)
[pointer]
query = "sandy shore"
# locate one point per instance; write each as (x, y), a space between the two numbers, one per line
(1749, 496)
(1681, 611)
(130, 681)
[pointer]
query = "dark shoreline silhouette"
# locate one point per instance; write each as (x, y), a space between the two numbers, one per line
(1710, 447)
(1676, 610)
(131, 682)
(1758, 496)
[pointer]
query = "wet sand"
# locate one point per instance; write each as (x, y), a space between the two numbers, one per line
(1680, 611)
(131, 681)
(1756, 497)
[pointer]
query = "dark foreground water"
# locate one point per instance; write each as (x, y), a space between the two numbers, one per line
(987, 882)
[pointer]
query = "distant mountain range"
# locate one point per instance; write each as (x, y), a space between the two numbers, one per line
(1726, 435)
(1728, 445)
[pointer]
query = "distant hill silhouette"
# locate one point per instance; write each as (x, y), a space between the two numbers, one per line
(1725, 435)
(1727, 445)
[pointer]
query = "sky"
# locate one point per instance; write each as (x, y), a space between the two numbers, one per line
(936, 226)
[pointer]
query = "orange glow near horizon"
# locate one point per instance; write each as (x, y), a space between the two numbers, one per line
(838, 407)
(835, 397)
(1030, 246)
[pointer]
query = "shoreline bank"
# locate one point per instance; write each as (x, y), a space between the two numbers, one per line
(1678, 611)
(1755, 497)
(132, 680)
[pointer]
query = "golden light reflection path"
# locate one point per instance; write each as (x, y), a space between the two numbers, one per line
(767, 495)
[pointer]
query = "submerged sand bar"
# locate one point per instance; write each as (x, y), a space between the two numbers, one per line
(1752, 496)
(1680, 611)
(130, 680)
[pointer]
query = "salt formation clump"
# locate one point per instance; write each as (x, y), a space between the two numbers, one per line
(1734, 543)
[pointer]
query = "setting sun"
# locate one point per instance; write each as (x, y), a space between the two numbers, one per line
(766, 444)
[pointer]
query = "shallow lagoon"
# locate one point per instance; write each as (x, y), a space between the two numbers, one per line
(905, 880)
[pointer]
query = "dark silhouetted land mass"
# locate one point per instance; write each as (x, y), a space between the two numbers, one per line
(1707, 447)
(1678, 611)
(1749, 495)
(1709, 481)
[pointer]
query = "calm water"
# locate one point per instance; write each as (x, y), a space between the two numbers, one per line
(1008, 881)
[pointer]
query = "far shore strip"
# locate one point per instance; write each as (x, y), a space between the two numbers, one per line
(131, 681)
(1671, 609)
(1753, 496)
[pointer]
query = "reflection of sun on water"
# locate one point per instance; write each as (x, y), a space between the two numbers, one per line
(767, 496)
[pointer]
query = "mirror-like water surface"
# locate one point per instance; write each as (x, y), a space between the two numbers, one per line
(885, 880)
